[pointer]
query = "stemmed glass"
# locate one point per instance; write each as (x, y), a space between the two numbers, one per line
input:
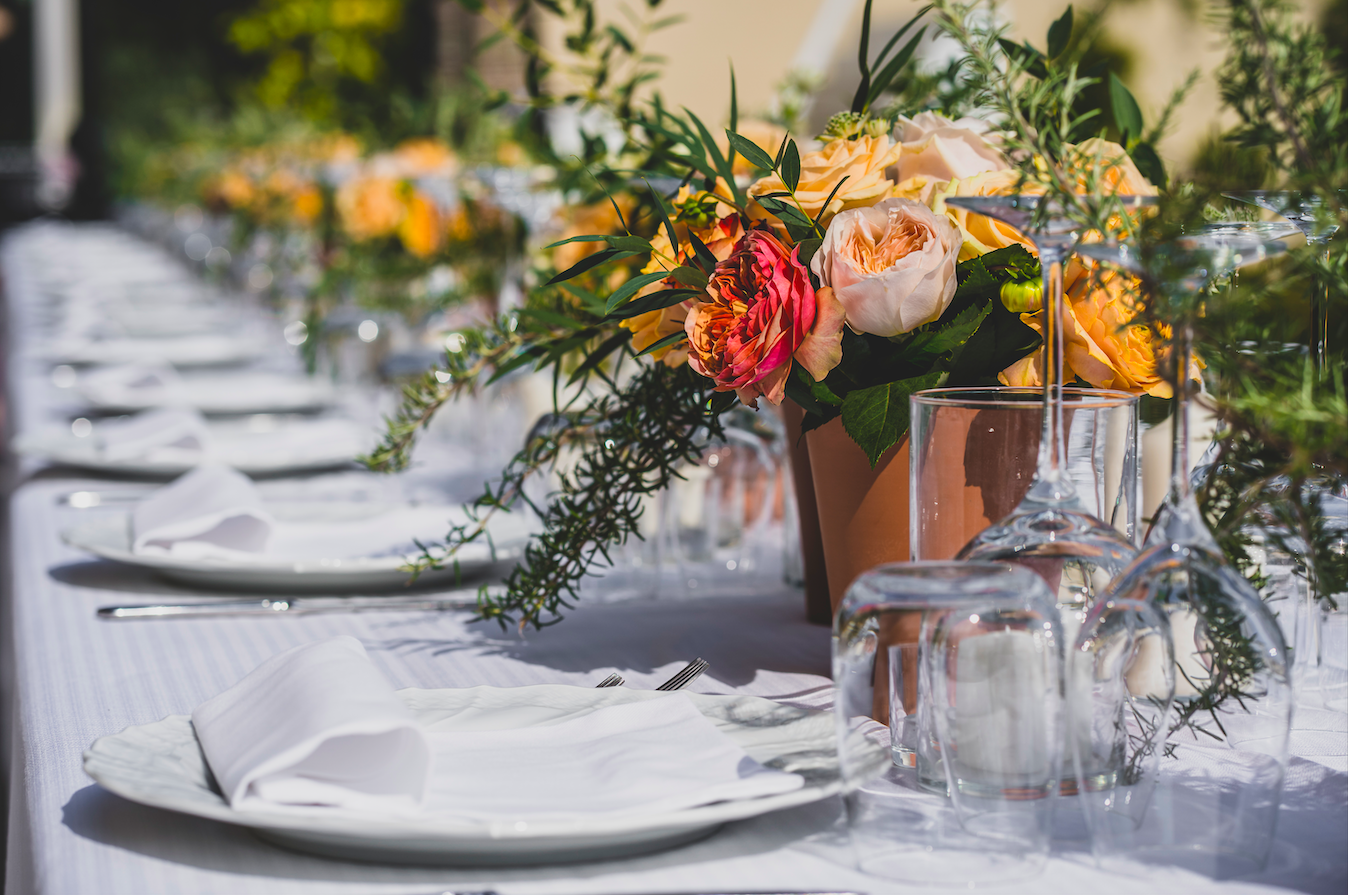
(1226, 642)
(1302, 210)
(1050, 530)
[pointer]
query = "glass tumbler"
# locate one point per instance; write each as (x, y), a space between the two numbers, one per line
(974, 453)
(978, 806)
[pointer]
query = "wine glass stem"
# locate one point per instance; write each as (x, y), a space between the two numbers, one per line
(1319, 314)
(1179, 456)
(1052, 448)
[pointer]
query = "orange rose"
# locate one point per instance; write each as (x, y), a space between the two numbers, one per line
(1113, 170)
(983, 234)
(862, 161)
(370, 207)
(422, 229)
(1101, 343)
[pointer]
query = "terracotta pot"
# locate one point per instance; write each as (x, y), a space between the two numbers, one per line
(863, 512)
(818, 610)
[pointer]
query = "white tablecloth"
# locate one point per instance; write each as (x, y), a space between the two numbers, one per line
(78, 678)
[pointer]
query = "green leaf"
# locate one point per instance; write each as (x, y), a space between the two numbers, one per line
(609, 345)
(671, 339)
(882, 81)
(863, 61)
(1059, 34)
(880, 59)
(654, 302)
(797, 224)
(705, 259)
(719, 161)
(688, 276)
(791, 166)
(806, 248)
(664, 216)
(877, 418)
(734, 107)
(1127, 115)
(590, 238)
(1030, 60)
(636, 244)
(751, 151)
(588, 262)
(632, 287)
(1149, 163)
(1013, 263)
(939, 342)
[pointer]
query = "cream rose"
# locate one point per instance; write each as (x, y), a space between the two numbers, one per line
(892, 265)
(862, 161)
(937, 148)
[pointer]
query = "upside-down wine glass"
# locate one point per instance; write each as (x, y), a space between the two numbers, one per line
(1050, 530)
(1226, 642)
(1302, 209)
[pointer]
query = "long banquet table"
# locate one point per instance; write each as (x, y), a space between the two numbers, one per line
(77, 678)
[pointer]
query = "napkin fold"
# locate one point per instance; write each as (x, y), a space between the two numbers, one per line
(652, 756)
(170, 433)
(201, 512)
(316, 725)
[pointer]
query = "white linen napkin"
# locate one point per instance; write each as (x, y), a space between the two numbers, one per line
(199, 513)
(166, 434)
(137, 385)
(655, 755)
(315, 725)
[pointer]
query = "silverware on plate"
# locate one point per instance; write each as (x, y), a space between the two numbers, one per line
(290, 606)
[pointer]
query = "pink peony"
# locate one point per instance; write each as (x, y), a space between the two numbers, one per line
(764, 312)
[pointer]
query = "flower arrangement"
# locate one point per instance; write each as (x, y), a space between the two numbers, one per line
(832, 275)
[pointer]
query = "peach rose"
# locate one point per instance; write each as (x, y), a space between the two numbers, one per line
(937, 148)
(1101, 343)
(764, 312)
(862, 161)
(892, 266)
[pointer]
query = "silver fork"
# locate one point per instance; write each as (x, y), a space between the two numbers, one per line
(691, 672)
(613, 680)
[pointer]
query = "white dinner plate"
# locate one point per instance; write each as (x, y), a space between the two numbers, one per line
(201, 350)
(110, 538)
(225, 393)
(265, 445)
(161, 765)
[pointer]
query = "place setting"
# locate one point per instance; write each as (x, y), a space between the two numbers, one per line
(492, 454)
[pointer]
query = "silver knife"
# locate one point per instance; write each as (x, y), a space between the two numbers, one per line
(291, 606)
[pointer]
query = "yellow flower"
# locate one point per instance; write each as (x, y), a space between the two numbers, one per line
(421, 156)
(1113, 170)
(307, 205)
(422, 229)
(1101, 343)
(370, 207)
(983, 234)
(234, 188)
(862, 161)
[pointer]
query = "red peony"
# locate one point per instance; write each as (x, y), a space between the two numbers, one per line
(764, 312)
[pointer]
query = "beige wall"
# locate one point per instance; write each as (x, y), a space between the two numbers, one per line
(763, 36)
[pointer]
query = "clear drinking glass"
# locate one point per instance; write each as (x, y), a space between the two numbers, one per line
(974, 451)
(1051, 530)
(1214, 813)
(978, 806)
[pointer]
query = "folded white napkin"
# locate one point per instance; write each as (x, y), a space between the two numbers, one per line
(215, 512)
(199, 513)
(165, 434)
(315, 725)
(655, 755)
(146, 384)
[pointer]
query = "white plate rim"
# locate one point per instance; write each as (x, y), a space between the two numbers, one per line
(390, 830)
